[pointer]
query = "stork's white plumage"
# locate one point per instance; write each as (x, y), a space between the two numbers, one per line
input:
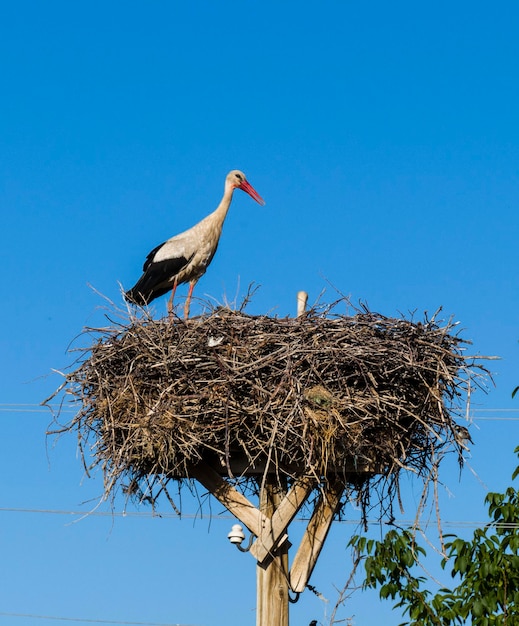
(185, 257)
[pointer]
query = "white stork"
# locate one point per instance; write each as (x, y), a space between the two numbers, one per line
(185, 257)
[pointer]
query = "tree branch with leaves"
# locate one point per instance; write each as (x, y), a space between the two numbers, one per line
(485, 570)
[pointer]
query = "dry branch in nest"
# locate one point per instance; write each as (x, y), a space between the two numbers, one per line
(329, 396)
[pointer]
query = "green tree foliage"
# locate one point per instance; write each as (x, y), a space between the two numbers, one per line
(485, 571)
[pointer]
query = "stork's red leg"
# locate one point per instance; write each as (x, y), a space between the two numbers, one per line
(188, 299)
(170, 301)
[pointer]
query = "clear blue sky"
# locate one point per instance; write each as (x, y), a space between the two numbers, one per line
(384, 138)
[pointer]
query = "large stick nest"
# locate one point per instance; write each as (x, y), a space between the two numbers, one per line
(323, 395)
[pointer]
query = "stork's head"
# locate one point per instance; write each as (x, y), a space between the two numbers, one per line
(237, 180)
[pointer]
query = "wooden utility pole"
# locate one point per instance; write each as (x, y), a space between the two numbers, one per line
(269, 524)
(272, 574)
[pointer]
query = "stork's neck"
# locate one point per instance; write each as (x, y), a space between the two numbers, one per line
(220, 213)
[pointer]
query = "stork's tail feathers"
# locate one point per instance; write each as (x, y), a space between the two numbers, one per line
(145, 291)
(134, 296)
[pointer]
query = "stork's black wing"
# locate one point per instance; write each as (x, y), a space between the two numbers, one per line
(157, 279)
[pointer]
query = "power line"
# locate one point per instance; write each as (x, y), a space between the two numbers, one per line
(19, 407)
(476, 415)
(100, 513)
(55, 405)
(225, 517)
(89, 621)
(496, 419)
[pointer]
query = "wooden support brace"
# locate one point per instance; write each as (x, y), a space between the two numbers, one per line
(232, 499)
(270, 532)
(281, 518)
(315, 535)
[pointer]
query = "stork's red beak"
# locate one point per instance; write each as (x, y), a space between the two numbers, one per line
(248, 188)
